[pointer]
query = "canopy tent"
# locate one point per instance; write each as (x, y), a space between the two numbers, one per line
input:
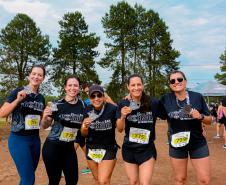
(210, 88)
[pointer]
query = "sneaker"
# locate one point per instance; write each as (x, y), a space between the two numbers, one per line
(224, 146)
(85, 171)
(216, 137)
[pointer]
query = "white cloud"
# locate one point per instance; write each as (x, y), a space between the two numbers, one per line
(42, 13)
(197, 28)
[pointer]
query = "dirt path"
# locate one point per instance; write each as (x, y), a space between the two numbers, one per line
(162, 175)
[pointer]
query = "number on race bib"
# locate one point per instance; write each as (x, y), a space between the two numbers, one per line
(68, 134)
(32, 122)
(96, 155)
(180, 139)
(138, 135)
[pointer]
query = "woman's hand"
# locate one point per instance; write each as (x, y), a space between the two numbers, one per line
(20, 96)
(195, 114)
(85, 126)
(125, 111)
(86, 123)
(47, 112)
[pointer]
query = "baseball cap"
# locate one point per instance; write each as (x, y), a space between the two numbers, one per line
(96, 88)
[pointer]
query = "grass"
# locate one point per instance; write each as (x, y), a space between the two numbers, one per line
(2, 122)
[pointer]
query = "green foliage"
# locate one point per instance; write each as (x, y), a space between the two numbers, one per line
(21, 46)
(50, 98)
(118, 24)
(76, 51)
(222, 77)
(140, 43)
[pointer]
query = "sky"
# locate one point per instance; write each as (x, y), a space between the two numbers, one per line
(197, 27)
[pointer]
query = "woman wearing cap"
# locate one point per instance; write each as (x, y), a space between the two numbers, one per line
(137, 117)
(66, 119)
(185, 112)
(99, 128)
(26, 106)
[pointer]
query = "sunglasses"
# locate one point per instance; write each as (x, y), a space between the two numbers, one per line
(93, 96)
(179, 79)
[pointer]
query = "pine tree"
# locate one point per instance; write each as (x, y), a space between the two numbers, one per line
(76, 52)
(21, 46)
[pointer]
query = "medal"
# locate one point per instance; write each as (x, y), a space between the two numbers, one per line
(27, 90)
(53, 106)
(187, 109)
(134, 105)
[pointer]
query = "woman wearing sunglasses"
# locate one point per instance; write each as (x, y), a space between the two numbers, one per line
(137, 116)
(99, 128)
(185, 112)
(65, 116)
(26, 105)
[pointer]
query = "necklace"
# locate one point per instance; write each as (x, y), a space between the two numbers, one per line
(93, 116)
(187, 101)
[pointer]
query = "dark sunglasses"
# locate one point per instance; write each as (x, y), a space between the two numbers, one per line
(93, 96)
(173, 81)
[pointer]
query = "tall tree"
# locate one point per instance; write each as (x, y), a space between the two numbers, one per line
(140, 43)
(222, 77)
(158, 54)
(76, 51)
(21, 46)
(118, 24)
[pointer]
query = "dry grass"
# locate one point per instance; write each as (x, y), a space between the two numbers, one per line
(3, 122)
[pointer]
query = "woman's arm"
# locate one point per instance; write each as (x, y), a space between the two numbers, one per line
(120, 123)
(85, 126)
(7, 108)
(46, 119)
(205, 119)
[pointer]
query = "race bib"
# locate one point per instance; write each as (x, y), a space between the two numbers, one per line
(32, 122)
(68, 134)
(96, 155)
(180, 139)
(139, 135)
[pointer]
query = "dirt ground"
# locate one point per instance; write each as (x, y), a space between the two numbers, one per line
(162, 174)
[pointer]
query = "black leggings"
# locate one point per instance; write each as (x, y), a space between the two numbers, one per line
(60, 156)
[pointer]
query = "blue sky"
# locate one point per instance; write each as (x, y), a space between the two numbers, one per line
(196, 26)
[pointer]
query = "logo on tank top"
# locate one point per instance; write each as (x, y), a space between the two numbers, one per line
(74, 118)
(180, 114)
(101, 125)
(141, 117)
(33, 105)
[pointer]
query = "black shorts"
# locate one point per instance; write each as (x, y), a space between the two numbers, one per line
(134, 156)
(81, 140)
(194, 153)
(221, 121)
(111, 151)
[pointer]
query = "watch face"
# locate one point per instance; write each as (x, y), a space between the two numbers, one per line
(187, 109)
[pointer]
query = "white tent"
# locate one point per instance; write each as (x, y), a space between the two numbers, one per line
(210, 88)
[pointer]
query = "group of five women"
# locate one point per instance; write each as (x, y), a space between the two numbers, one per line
(94, 126)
